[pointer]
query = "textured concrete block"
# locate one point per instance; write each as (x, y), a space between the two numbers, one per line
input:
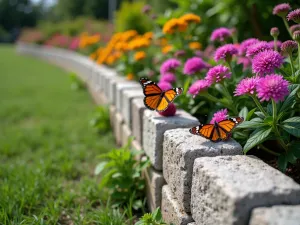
(118, 128)
(107, 76)
(154, 183)
(137, 110)
(126, 133)
(171, 211)
(192, 223)
(180, 149)
(112, 88)
(128, 96)
(276, 215)
(154, 128)
(120, 87)
(226, 188)
(112, 113)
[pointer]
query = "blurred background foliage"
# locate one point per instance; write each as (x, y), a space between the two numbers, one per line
(252, 18)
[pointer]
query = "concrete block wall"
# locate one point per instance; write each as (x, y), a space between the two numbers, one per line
(194, 181)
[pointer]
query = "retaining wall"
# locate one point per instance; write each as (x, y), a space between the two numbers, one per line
(193, 180)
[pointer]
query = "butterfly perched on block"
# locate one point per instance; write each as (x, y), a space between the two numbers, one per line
(157, 99)
(219, 131)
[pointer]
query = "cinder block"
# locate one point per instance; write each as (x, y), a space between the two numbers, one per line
(120, 87)
(180, 149)
(126, 133)
(106, 75)
(226, 188)
(154, 183)
(128, 96)
(276, 215)
(192, 223)
(112, 113)
(112, 88)
(118, 128)
(137, 110)
(154, 128)
(171, 211)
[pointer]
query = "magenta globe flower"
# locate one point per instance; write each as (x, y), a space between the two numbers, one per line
(169, 65)
(219, 116)
(294, 28)
(164, 85)
(220, 34)
(225, 52)
(281, 9)
(274, 32)
(193, 65)
(294, 15)
(289, 46)
(247, 86)
(217, 74)
(246, 44)
(257, 48)
(272, 86)
(266, 62)
(168, 77)
(198, 86)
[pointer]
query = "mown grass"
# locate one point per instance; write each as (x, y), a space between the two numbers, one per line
(47, 148)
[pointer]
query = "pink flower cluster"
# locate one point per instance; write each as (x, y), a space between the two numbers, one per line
(219, 116)
(220, 34)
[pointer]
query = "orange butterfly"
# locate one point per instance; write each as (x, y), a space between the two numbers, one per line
(155, 98)
(219, 131)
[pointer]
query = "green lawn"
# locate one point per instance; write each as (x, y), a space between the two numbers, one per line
(47, 148)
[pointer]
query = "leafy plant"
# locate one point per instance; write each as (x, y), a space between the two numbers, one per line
(121, 176)
(76, 83)
(154, 218)
(101, 119)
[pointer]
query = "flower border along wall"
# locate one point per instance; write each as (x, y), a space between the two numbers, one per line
(193, 180)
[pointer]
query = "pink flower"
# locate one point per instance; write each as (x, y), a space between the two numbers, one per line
(266, 62)
(179, 53)
(164, 85)
(168, 77)
(169, 65)
(257, 48)
(272, 44)
(217, 74)
(289, 46)
(246, 86)
(193, 65)
(294, 28)
(294, 15)
(225, 52)
(220, 34)
(274, 31)
(281, 9)
(272, 86)
(246, 44)
(219, 116)
(198, 86)
(246, 61)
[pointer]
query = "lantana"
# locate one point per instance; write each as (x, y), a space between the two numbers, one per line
(193, 65)
(169, 65)
(225, 52)
(219, 116)
(266, 62)
(246, 86)
(217, 74)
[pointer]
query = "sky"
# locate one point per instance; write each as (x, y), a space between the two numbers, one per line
(47, 2)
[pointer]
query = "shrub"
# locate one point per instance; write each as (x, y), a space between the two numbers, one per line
(101, 119)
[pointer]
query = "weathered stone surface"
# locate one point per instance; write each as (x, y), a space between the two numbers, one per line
(112, 88)
(154, 128)
(226, 188)
(136, 145)
(118, 127)
(276, 215)
(112, 113)
(171, 210)
(126, 133)
(180, 149)
(154, 183)
(137, 110)
(128, 96)
(120, 87)
(107, 76)
(192, 223)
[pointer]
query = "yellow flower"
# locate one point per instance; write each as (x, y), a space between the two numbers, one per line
(174, 25)
(148, 35)
(93, 55)
(195, 45)
(125, 36)
(130, 76)
(138, 42)
(190, 18)
(167, 49)
(139, 55)
(110, 60)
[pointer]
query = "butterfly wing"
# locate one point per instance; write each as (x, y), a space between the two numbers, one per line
(226, 126)
(205, 131)
(153, 93)
(167, 98)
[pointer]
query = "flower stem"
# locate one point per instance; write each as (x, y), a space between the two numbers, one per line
(232, 71)
(298, 55)
(275, 44)
(287, 26)
(259, 105)
(268, 150)
(292, 64)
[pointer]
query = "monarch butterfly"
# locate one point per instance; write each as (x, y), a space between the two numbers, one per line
(218, 131)
(155, 98)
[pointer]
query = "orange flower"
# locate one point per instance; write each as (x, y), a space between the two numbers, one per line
(195, 45)
(148, 35)
(138, 42)
(190, 18)
(174, 25)
(130, 76)
(167, 49)
(93, 56)
(139, 55)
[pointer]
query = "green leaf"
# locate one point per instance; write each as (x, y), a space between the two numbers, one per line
(244, 112)
(250, 114)
(99, 168)
(292, 126)
(258, 136)
(268, 120)
(252, 124)
(287, 104)
(291, 157)
(294, 147)
(282, 162)
(260, 114)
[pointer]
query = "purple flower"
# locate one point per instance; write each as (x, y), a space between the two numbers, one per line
(217, 74)
(146, 9)
(294, 28)
(198, 86)
(164, 85)
(193, 65)
(274, 31)
(272, 44)
(289, 46)
(246, 86)
(179, 53)
(266, 62)
(168, 77)
(220, 34)
(169, 65)
(219, 116)
(272, 86)
(296, 36)
(246, 44)
(225, 52)
(281, 9)
(257, 48)
(294, 15)
(246, 61)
